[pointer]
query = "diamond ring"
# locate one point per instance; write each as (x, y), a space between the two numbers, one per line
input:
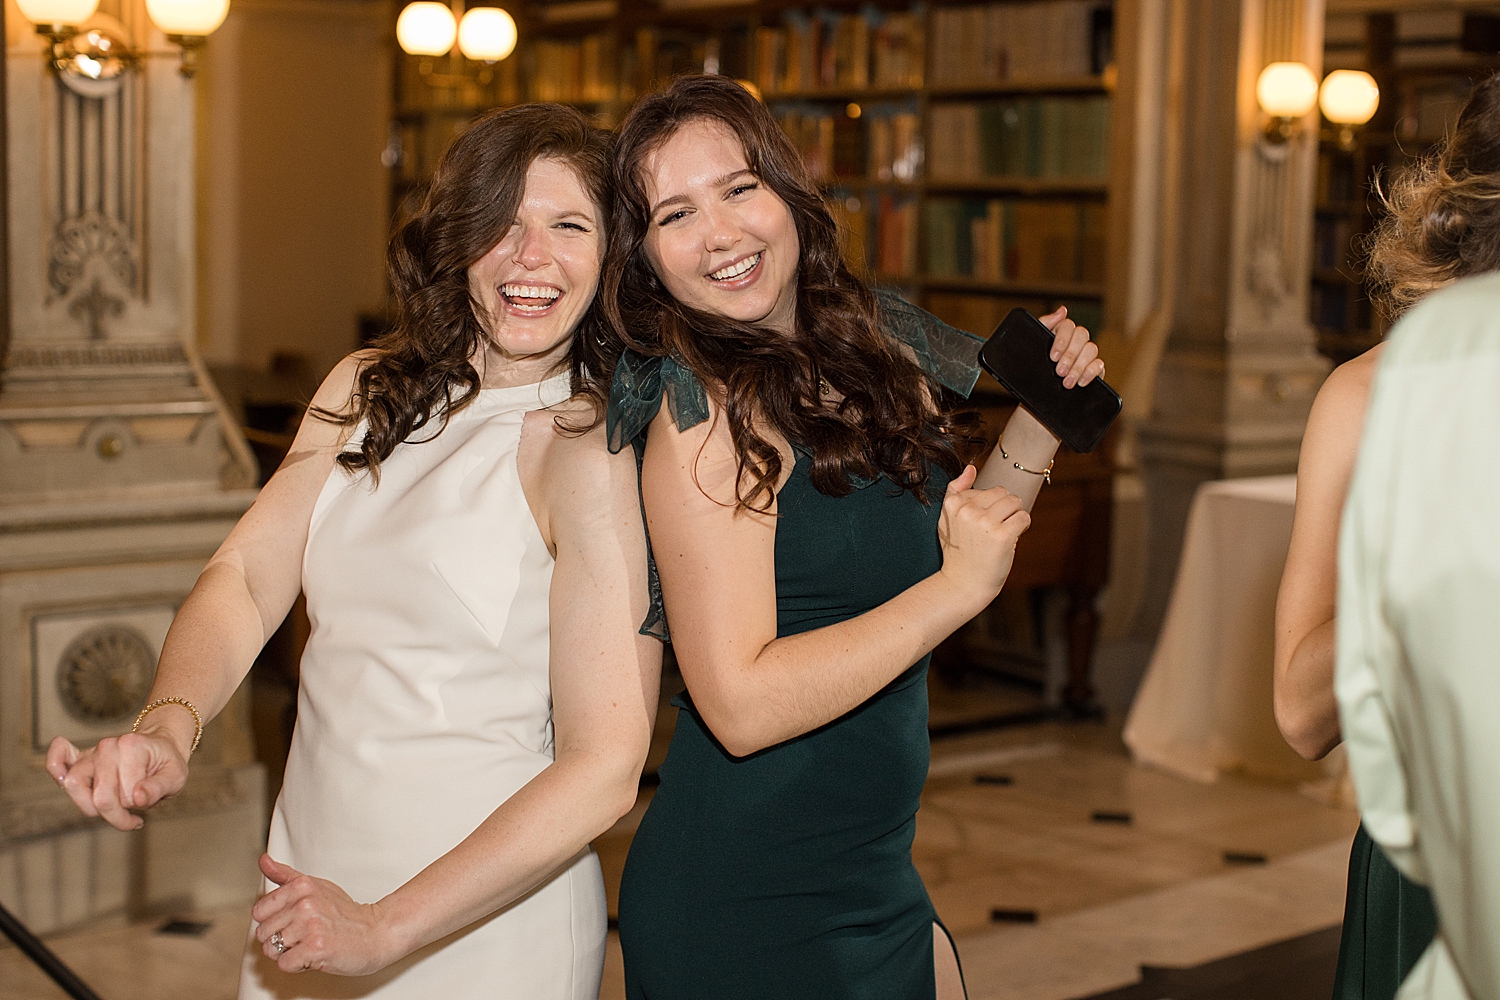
(277, 943)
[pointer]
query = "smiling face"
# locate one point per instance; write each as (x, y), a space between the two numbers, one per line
(536, 284)
(719, 239)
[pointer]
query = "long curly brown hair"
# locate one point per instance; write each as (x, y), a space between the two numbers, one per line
(422, 369)
(1442, 217)
(886, 424)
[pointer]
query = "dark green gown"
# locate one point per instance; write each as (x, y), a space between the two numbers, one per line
(788, 873)
(1389, 921)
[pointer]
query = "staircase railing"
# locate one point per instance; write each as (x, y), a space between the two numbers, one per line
(44, 957)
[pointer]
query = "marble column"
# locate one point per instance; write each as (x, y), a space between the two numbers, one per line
(120, 473)
(1239, 371)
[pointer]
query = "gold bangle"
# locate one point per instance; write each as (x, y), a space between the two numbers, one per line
(1046, 473)
(158, 703)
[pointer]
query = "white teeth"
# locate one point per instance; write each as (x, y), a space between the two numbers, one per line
(530, 292)
(735, 270)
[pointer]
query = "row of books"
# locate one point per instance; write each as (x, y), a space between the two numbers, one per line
(1333, 241)
(1010, 239)
(879, 235)
(822, 50)
(585, 70)
(883, 144)
(1051, 138)
(980, 314)
(1021, 41)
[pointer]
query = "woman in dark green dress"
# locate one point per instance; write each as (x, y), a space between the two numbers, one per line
(1442, 223)
(816, 537)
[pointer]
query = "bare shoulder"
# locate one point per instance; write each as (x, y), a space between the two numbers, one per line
(565, 462)
(1338, 413)
(336, 394)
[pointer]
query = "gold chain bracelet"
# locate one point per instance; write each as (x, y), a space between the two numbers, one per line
(158, 703)
(1046, 473)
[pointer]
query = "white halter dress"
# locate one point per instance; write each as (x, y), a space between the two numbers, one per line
(425, 703)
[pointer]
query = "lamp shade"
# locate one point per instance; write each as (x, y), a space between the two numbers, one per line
(58, 11)
(1286, 90)
(426, 28)
(486, 34)
(187, 17)
(1349, 97)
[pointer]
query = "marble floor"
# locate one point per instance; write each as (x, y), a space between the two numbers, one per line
(1059, 865)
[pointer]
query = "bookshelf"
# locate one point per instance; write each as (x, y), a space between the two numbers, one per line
(964, 147)
(1425, 63)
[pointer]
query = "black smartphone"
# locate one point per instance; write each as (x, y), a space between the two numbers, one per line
(1018, 355)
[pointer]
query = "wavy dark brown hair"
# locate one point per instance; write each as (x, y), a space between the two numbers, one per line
(885, 425)
(1442, 217)
(422, 369)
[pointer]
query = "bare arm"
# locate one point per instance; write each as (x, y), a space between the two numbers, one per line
(1306, 711)
(237, 603)
(604, 678)
(1027, 442)
(718, 578)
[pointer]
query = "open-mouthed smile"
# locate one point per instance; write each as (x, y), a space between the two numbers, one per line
(530, 300)
(740, 272)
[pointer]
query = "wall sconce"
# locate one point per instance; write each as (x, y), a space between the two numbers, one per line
(426, 29)
(187, 24)
(429, 29)
(486, 34)
(92, 62)
(1286, 91)
(1348, 98)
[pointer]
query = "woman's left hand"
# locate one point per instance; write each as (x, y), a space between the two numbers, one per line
(1077, 357)
(310, 923)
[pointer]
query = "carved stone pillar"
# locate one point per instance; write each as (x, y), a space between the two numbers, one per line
(1239, 371)
(120, 473)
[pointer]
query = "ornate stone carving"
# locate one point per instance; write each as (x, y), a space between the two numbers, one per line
(76, 241)
(105, 674)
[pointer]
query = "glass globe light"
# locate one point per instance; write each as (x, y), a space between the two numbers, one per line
(1286, 90)
(426, 28)
(69, 12)
(191, 18)
(486, 34)
(1349, 97)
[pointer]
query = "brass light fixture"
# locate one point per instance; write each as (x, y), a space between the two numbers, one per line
(1349, 98)
(92, 60)
(1286, 91)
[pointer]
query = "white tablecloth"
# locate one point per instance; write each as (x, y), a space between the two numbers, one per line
(1204, 706)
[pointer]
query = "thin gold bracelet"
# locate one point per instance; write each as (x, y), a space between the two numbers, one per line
(1046, 473)
(158, 703)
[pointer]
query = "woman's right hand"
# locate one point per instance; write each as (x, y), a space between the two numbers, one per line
(133, 771)
(978, 530)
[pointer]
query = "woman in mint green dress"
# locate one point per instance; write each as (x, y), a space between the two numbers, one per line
(816, 536)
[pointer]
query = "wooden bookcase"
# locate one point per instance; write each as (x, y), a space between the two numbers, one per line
(965, 152)
(1425, 69)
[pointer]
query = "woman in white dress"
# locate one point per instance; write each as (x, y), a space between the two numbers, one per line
(476, 700)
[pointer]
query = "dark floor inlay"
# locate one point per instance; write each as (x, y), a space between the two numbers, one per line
(185, 928)
(993, 779)
(1004, 916)
(1110, 816)
(1244, 858)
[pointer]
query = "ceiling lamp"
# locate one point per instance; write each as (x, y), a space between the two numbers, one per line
(1349, 98)
(1286, 91)
(426, 28)
(486, 34)
(187, 24)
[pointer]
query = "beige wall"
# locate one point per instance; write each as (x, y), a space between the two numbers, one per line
(294, 104)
